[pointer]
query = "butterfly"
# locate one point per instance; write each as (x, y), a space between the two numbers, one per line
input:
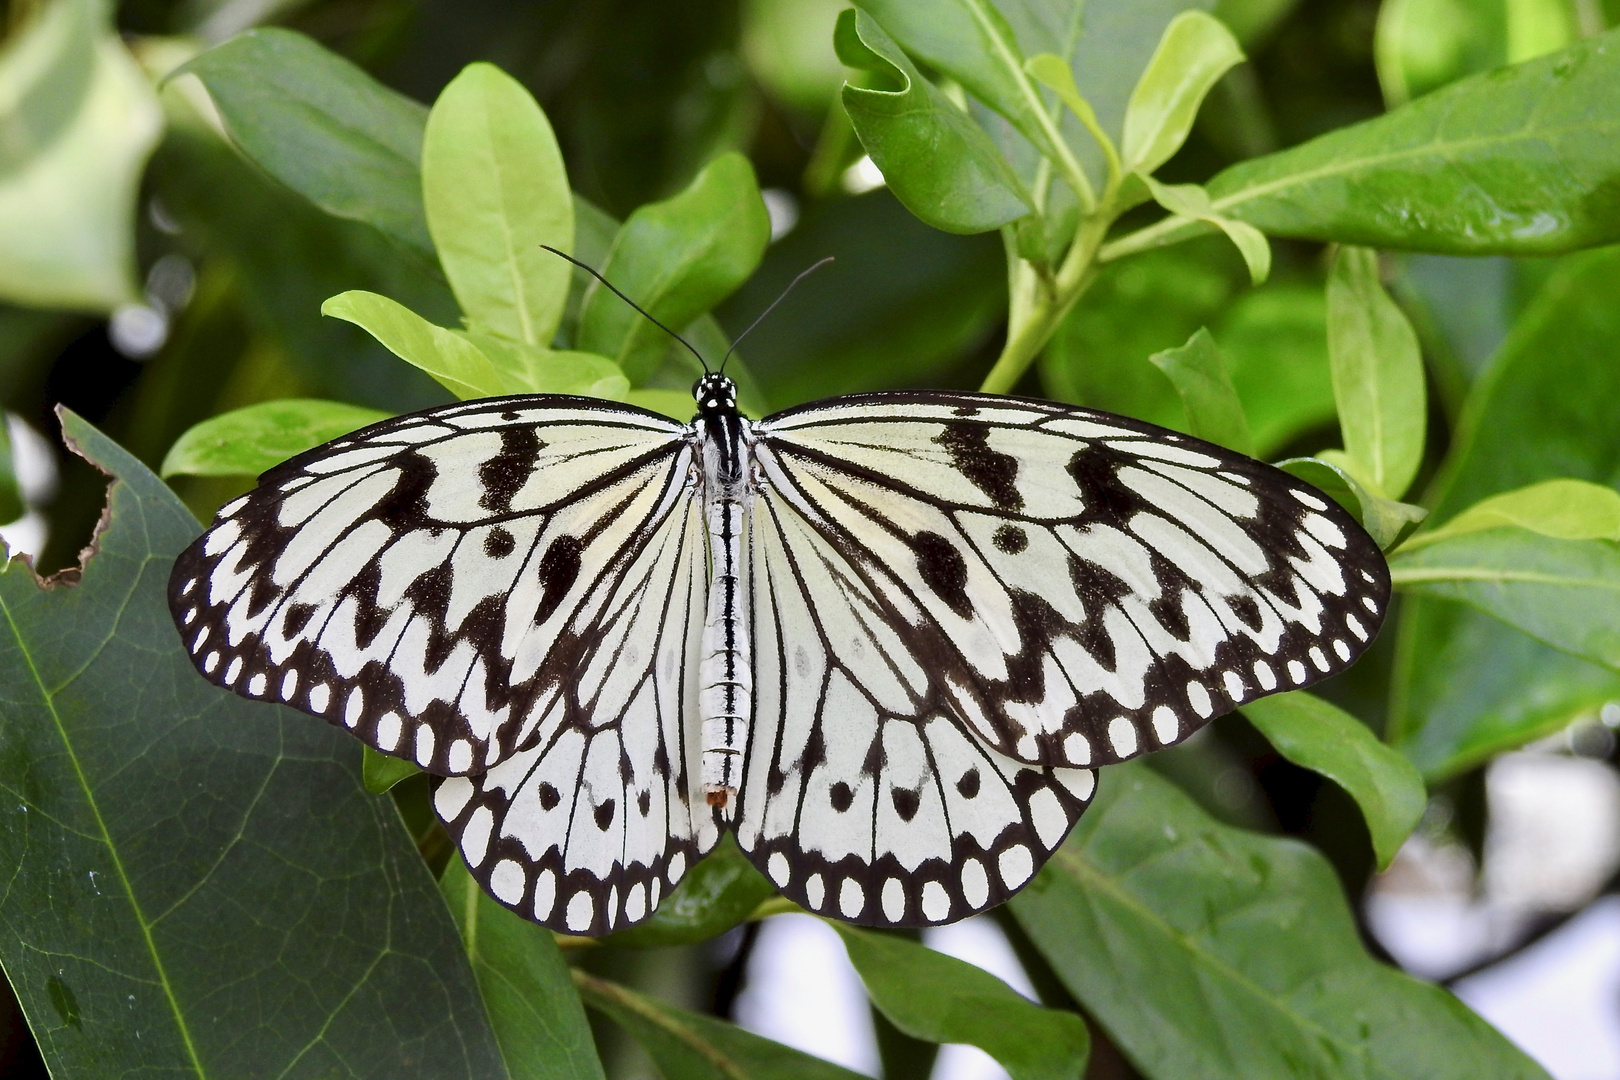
(885, 639)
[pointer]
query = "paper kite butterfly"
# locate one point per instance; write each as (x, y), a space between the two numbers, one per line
(884, 638)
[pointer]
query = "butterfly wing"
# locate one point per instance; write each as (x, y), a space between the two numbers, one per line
(1079, 588)
(863, 797)
(427, 582)
(588, 828)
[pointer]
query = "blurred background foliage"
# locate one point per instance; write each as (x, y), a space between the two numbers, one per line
(151, 277)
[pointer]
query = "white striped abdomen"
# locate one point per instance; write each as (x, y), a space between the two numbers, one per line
(725, 677)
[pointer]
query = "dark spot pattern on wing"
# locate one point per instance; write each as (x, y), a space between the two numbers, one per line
(991, 471)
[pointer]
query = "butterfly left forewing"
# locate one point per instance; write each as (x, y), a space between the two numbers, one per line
(1085, 588)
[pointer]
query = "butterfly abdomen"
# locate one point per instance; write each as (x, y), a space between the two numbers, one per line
(725, 680)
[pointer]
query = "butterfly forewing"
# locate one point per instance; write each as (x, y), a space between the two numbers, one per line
(410, 581)
(1081, 588)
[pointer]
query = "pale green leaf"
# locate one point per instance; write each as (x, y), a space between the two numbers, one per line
(1377, 374)
(1192, 201)
(249, 440)
(380, 771)
(1562, 509)
(1195, 51)
(457, 364)
(495, 190)
(538, 370)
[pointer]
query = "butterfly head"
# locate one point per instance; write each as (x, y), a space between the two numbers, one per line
(714, 393)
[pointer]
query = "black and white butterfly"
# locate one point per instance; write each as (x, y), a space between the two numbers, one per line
(883, 638)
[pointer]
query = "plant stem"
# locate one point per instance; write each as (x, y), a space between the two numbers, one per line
(1037, 306)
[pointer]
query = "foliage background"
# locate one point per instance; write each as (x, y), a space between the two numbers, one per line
(1519, 353)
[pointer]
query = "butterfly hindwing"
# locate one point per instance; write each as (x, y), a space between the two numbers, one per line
(409, 581)
(1084, 588)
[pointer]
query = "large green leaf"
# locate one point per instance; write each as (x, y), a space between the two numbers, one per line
(1206, 950)
(197, 884)
(934, 158)
(323, 127)
(1322, 737)
(1524, 160)
(677, 259)
(495, 190)
(689, 1046)
(1564, 592)
(1200, 374)
(247, 441)
(941, 999)
(532, 1004)
(1466, 685)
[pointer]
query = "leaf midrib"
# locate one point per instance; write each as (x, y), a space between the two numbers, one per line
(49, 700)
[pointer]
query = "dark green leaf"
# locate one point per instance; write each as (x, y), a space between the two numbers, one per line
(1377, 375)
(718, 893)
(941, 999)
(1198, 370)
(1275, 338)
(11, 500)
(1563, 592)
(677, 259)
(495, 190)
(198, 884)
(527, 990)
(247, 441)
(1385, 520)
(1521, 161)
(1465, 684)
(1206, 950)
(323, 127)
(935, 159)
(688, 1046)
(1322, 737)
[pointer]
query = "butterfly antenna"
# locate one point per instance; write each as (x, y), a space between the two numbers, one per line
(637, 306)
(806, 272)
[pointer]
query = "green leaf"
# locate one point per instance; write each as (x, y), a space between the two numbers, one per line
(1199, 372)
(1466, 685)
(1564, 592)
(552, 371)
(197, 883)
(380, 772)
(1519, 161)
(719, 892)
(677, 259)
(1275, 338)
(1561, 509)
(1195, 51)
(247, 441)
(1192, 201)
(1316, 735)
(80, 120)
(972, 42)
(941, 999)
(1205, 950)
(935, 159)
(1054, 73)
(323, 127)
(495, 190)
(527, 991)
(457, 364)
(1385, 520)
(689, 1046)
(1377, 374)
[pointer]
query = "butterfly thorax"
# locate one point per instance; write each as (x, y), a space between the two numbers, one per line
(724, 681)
